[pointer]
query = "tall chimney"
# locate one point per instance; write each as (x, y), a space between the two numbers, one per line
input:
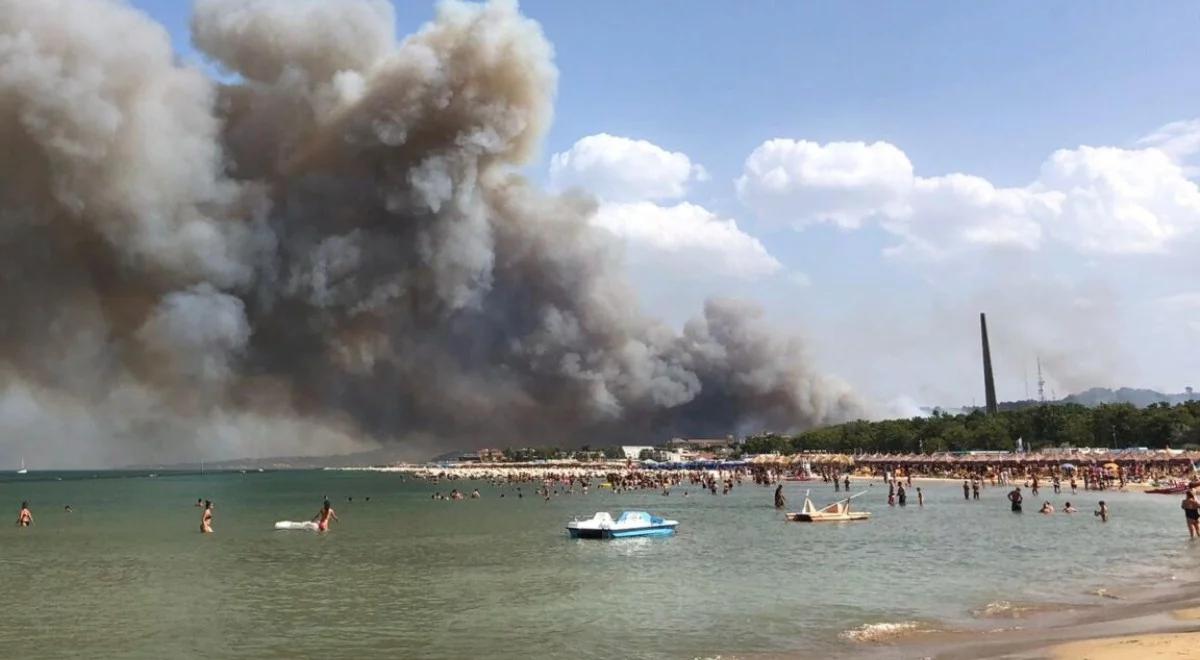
(989, 385)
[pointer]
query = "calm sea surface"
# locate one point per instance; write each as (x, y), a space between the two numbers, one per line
(129, 575)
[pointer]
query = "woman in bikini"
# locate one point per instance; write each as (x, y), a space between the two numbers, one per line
(25, 517)
(206, 518)
(324, 516)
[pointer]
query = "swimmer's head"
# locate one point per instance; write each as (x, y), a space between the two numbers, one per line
(208, 504)
(327, 504)
(24, 504)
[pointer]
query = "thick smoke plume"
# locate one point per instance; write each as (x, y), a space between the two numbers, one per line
(333, 251)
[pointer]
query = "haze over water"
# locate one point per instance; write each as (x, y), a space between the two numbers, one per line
(129, 575)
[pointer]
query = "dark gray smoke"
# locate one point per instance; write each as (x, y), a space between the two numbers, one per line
(334, 251)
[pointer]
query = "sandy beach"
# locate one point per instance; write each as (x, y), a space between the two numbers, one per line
(1138, 647)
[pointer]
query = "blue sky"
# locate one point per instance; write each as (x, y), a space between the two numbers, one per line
(989, 89)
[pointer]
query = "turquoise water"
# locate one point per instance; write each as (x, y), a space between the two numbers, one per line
(129, 575)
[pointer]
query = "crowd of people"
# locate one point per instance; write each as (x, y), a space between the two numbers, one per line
(548, 484)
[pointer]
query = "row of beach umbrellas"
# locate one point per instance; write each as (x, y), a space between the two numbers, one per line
(1066, 460)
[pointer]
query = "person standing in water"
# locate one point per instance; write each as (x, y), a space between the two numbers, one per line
(1191, 510)
(901, 495)
(324, 516)
(206, 518)
(974, 489)
(25, 517)
(846, 483)
(920, 497)
(966, 490)
(1015, 498)
(1102, 512)
(780, 500)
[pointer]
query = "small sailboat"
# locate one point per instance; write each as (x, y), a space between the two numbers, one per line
(837, 512)
(22, 470)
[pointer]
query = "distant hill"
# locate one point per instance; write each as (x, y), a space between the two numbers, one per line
(1138, 397)
(1094, 397)
(383, 456)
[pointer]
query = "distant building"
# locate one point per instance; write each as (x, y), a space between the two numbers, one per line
(491, 455)
(634, 452)
(468, 458)
(700, 443)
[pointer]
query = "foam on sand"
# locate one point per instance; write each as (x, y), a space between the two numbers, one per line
(886, 631)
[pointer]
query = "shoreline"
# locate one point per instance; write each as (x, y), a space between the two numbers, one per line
(1150, 622)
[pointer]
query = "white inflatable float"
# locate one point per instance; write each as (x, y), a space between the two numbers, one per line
(308, 526)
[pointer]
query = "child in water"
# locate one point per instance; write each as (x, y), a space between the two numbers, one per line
(206, 518)
(1102, 512)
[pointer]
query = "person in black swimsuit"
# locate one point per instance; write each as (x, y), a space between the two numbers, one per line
(1191, 509)
(1015, 498)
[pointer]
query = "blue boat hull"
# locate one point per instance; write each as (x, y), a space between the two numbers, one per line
(664, 530)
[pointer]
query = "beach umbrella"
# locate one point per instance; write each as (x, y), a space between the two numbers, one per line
(1067, 466)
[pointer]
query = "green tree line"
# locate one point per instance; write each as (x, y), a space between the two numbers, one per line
(1058, 425)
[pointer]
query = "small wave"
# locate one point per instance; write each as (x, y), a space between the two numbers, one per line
(1005, 609)
(1105, 593)
(880, 632)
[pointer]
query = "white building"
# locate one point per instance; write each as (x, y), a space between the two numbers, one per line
(634, 451)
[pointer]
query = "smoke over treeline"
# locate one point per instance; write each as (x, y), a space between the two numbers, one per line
(332, 251)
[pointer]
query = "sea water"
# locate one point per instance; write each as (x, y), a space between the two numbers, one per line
(128, 574)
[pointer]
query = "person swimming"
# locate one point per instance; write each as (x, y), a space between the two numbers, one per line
(206, 518)
(1047, 507)
(1069, 509)
(199, 502)
(324, 516)
(25, 517)
(780, 500)
(67, 508)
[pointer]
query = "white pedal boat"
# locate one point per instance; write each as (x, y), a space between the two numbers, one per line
(631, 523)
(837, 512)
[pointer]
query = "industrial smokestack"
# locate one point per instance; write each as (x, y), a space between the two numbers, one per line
(989, 385)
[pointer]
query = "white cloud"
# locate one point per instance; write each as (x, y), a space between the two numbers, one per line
(947, 215)
(1098, 200)
(1119, 200)
(1178, 139)
(620, 169)
(800, 183)
(687, 239)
